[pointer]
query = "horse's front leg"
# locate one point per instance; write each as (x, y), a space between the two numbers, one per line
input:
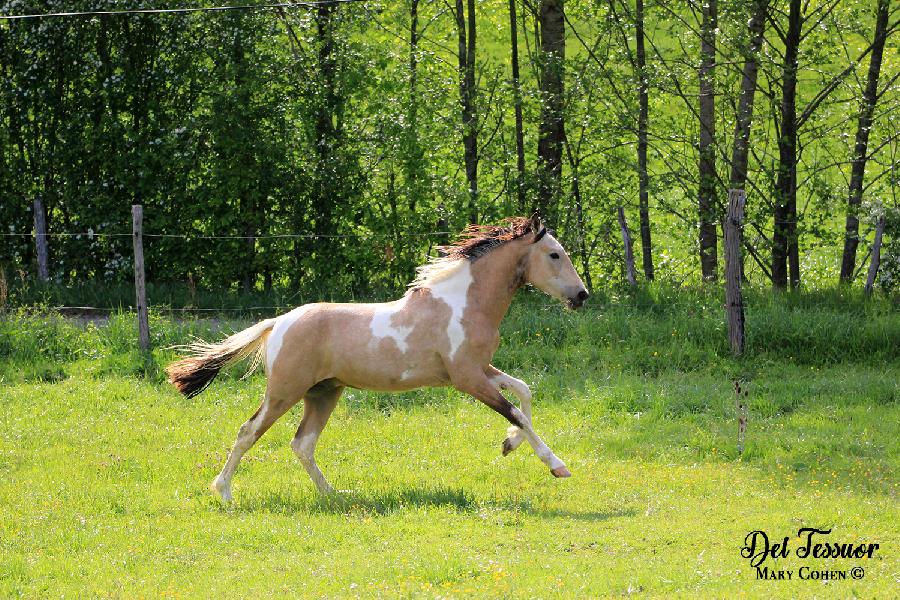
(514, 435)
(478, 385)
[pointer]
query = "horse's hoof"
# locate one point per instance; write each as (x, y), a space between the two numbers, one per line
(507, 446)
(561, 472)
(221, 489)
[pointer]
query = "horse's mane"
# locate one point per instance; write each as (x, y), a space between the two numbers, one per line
(472, 243)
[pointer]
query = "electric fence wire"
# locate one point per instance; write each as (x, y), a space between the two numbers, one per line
(188, 9)
(188, 236)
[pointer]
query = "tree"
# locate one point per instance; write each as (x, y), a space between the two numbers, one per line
(643, 177)
(465, 31)
(784, 238)
(551, 136)
(744, 117)
(708, 184)
(517, 102)
(860, 150)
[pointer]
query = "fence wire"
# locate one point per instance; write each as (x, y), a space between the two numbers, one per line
(170, 11)
(188, 236)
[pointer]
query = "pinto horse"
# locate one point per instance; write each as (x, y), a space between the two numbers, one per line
(442, 332)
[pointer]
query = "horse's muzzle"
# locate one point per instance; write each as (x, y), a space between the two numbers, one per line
(579, 299)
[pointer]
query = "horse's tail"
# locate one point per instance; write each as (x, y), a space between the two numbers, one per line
(192, 374)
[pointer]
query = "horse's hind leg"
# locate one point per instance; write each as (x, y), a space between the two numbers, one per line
(514, 435)
(318, 404)
(269, 411)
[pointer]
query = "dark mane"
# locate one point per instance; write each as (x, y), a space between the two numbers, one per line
(475, 241)
(478, 240)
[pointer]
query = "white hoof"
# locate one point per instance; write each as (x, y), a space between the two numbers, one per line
(222, 488)
(326, 490)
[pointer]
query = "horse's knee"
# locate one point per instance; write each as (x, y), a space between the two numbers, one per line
(524, 392)
(302, 449)
(247, 429)
(517, 386)
(520, 389)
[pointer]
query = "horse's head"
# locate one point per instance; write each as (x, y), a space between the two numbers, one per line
(549, 268)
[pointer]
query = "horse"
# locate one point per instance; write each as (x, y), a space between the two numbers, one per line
(442, 332)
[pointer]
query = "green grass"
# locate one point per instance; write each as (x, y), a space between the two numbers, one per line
(104, 469)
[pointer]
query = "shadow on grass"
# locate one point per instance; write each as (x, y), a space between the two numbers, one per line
(394, 501)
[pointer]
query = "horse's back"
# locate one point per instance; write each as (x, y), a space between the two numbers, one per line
(381, 346)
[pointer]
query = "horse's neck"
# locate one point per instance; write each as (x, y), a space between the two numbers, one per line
(495, 279)
(480, 290)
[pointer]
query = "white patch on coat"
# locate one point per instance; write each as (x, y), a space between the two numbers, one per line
(381, 324)
(276, 338)
(406, 374)
(453, 290)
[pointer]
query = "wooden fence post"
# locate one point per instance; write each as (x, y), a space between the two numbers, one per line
(40, 240)
(140, 289)
(876, 256)
(629, 252)
(734, 301)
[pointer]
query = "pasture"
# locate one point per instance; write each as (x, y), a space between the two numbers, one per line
(104, 467)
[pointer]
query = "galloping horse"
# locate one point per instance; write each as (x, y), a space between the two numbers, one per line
(443, 331)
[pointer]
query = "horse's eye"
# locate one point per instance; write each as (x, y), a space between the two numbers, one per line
(554, 255)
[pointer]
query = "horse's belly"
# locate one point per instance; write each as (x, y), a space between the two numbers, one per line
(399, 376)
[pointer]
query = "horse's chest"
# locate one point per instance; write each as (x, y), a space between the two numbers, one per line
(481, 341)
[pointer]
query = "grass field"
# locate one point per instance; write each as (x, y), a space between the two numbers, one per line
(104, 468)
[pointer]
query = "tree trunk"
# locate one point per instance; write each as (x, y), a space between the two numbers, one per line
(325, 131)
(784, 238)
(551, 135)
(870, 97)
(247, 204)
(466, 35)
(517, 99)
(248, 211)
(744, 119)
(706, 200)
(740, 150)
(414, 171)
(643, 178)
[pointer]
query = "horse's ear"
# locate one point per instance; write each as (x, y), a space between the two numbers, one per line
(536, 227)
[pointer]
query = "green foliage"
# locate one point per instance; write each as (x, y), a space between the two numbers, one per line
(255, 125)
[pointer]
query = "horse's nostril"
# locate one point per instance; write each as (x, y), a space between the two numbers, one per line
(583, 295)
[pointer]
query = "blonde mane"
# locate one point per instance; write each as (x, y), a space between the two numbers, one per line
(474, 242)
(436, 269)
